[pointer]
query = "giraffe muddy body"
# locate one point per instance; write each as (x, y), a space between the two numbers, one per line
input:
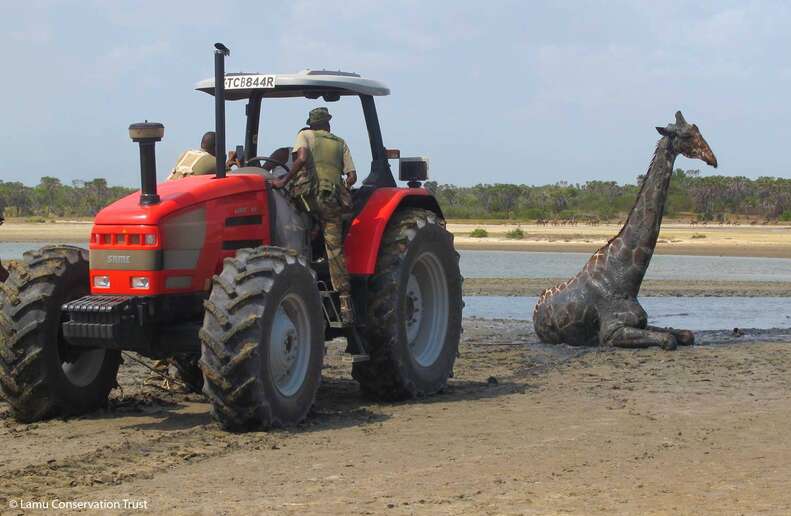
(599, 305)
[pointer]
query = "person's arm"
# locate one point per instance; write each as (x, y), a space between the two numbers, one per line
(233, 159)
(351, 178)
(348, 167)
(300, 159)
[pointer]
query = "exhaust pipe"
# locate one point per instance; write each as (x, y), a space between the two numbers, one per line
(147, 134)
(219, 107)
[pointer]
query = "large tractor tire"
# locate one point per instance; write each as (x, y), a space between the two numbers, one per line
(414, 310)
(41, 375)
(262, 341)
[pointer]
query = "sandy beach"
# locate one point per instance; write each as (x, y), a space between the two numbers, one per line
(771, 241)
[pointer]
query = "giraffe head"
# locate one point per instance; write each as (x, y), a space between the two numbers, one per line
(687, 140)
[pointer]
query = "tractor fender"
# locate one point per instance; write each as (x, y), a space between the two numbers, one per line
(361, 247)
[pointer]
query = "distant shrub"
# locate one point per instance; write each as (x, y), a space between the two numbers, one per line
(785, 216)
(479, 233)
(516, 234)
(698, 235)
(36, 220)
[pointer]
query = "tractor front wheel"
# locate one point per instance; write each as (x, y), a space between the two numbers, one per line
(262, 341)
(41, 375)
(414, 313)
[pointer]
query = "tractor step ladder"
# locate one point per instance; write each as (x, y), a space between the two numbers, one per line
(355, 348)
(331, 312)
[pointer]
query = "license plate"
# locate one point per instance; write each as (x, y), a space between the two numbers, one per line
(244, 82)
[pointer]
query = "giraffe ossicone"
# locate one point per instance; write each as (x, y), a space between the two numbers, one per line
(599, 305)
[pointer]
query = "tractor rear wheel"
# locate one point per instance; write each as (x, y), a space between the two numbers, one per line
(262, 341)
(41, 375)
(414, 309)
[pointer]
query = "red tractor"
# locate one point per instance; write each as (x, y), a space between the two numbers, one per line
(222, 274)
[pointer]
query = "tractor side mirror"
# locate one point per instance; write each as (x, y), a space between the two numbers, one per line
(413, 170)
(240, 155)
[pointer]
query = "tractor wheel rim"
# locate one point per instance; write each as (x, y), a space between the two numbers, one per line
(426, 309)
(83, 368)
(289, 345)
(80, 366)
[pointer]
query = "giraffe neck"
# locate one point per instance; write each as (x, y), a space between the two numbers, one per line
(629, 253)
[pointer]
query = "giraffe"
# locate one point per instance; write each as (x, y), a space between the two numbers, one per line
(599, 305)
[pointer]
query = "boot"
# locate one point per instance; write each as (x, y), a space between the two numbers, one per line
(347, 313)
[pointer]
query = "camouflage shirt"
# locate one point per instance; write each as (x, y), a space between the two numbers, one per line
(307, 183)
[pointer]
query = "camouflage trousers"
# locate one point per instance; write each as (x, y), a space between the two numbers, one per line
(329, 215)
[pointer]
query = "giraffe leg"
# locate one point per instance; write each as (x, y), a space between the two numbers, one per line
(628, 337)
(684, 337)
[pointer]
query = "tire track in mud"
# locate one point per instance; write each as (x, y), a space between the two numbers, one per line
(144, 435)
(133, 458)
(153, 445)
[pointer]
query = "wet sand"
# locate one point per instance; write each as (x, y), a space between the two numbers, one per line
(522, 428)
(676, 288)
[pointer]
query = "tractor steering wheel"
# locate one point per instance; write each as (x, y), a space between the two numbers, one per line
(270, 160)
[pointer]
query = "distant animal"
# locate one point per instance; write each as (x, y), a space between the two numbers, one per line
(599, 305)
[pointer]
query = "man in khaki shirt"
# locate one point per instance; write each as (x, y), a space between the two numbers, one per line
(196, 162)
(320, 161)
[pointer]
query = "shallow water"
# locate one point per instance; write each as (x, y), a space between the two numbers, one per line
(694, 313)
(527, 264)
(507, 264)
(697, 313)
(14, 250)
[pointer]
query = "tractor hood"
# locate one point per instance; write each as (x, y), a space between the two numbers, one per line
(177, 195)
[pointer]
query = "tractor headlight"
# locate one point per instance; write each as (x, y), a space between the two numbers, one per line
(101, 281)
(150, 239)
(139, 282)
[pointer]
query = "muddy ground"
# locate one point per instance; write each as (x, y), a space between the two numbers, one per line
(685, 288)
(522, 428)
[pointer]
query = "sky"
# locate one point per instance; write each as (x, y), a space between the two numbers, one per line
(499, 91)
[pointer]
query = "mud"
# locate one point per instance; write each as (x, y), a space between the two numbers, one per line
(653, 288)
(522, 428)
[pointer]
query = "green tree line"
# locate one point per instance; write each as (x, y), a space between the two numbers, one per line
(691, 195)
(51, 198)
(706, 198)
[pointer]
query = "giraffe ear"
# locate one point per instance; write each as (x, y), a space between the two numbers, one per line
(663, 131)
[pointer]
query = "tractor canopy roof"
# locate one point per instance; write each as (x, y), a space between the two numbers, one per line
(308, 83)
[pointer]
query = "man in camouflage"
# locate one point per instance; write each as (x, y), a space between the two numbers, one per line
(316, 184)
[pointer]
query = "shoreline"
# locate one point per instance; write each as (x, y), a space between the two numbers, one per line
(675, 239)
(532, 287)
(734, 250)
